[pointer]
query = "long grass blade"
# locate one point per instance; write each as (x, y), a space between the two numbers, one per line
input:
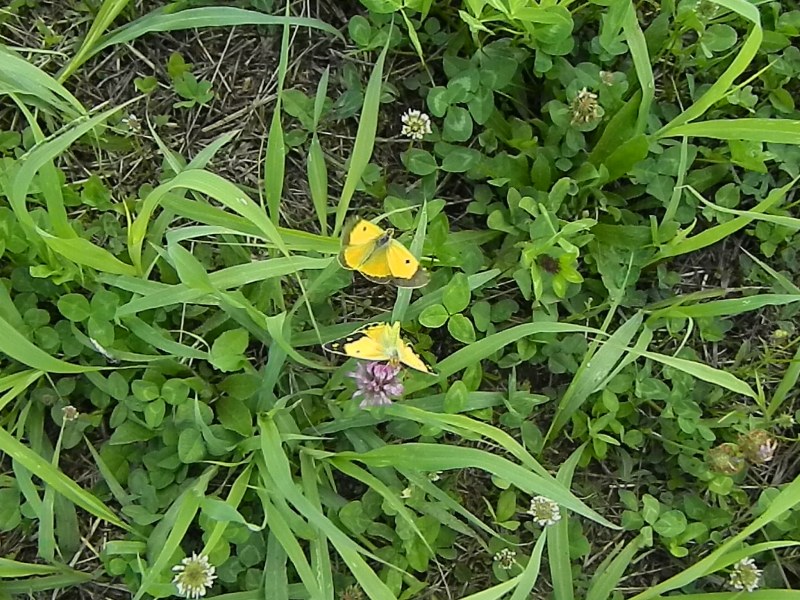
(592, 372)
(720, 87)
(558, 553)
(15, 345)
(641, 63)
(786, 500)
(775, 131)
(365, 137)
(440, 457)
(278, 466)
(275, 159)
(105, 16)
(18, 76)
(531, 573)
(56, 479)
(684, 245)
(197, 18)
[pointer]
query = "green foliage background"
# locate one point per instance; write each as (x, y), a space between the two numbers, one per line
(607, 208)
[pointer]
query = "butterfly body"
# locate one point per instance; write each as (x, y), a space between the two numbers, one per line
(379, 342)
(373, 252)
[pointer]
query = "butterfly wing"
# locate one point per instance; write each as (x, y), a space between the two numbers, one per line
(411, 359)
(358, 243)
(376, 266)
(405, 268)
(367, 343)
(371, 251)
(393, 263)
(360, 232)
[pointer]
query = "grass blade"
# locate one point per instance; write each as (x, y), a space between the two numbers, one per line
(365, 138)
(531, 573)
(787, 499)
(608, 576)
(558, 554)
(440, 457)
(404, 294)
(15, 345)
(56, 479)
(776, 131)
(320, 554)
(178, 519)
(107, 13)
(18, 76)
(684, 245)
(278, 466)
(479, 350)
(641, 63)
(726, 308)
(275, 159)
(720, 87)
(196, 18)
(592, 372)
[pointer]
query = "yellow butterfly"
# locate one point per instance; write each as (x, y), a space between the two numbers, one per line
(380, 342)
(373, 252)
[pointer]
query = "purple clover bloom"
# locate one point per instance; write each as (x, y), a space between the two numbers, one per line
(376, 383)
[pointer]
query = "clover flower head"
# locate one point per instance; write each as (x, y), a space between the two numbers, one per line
(544, 511)
(69, 413)
(725, 459)
(132, 122)
(607, 77)
(351, 592)
(507, 558)
(194, 576)
(585, 108)
(745, 575)
(758, 446)
(415, 124)
(376, 383)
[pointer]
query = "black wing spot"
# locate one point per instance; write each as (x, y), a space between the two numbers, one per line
(364, 228)
(358, 352)
(408, 261)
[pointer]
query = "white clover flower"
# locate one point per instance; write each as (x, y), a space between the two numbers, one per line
(415, 124)
(745, 575)
(507, 558)
(69, 413)
(585, 108)
(194, 576)
(544, 511)
(607, 77)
